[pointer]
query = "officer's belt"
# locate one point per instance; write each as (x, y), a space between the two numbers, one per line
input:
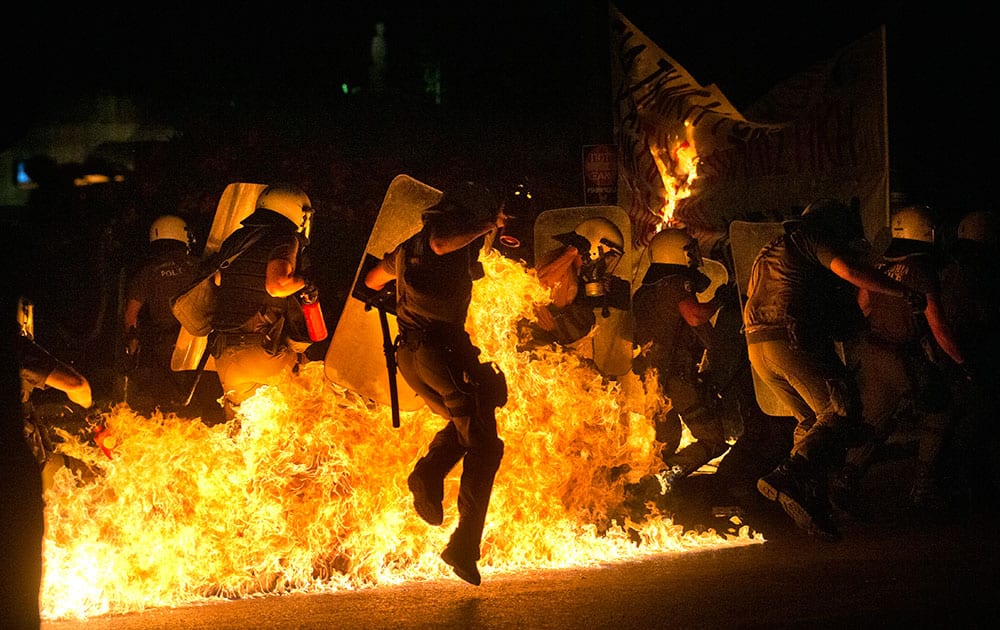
(443, 334)
(228, 340)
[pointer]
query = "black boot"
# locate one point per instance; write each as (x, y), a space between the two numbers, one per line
(802, 495)
(478, 472)
(426, 482)
(428, 493)
(462, 560)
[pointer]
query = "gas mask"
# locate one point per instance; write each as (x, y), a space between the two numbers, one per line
(595, 271)
(601, 246)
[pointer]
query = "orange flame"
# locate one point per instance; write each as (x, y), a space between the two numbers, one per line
(307, 492)
(678, 168)
(105, 440)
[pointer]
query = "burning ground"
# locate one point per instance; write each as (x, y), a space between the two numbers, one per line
(306, 490)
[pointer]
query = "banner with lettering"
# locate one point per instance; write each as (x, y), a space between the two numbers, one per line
(685, 152)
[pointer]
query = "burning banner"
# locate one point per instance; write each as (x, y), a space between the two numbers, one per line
(306, 490)
(821, 133)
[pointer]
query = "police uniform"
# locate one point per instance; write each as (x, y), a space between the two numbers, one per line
(22, 527)
(896, 361)
(169, 268)
(441, 364)
(35, 364)
(794, 313)
(970, 286)
(257, 338)
(676, 352)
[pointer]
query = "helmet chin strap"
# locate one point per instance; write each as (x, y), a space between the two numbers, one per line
(305, 229)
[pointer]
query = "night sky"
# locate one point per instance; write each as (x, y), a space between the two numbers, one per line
(518, 63)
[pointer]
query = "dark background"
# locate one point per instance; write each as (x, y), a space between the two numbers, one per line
(258, 95)
(525, 77)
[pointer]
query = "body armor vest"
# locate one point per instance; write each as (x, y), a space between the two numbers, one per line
(242, 293)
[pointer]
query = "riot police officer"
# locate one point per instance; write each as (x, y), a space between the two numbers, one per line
(434, 271)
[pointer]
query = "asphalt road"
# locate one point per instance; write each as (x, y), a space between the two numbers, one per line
(893, 567)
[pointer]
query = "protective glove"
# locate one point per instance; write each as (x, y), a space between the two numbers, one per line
(309, 293)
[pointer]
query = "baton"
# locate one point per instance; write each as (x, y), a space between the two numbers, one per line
(197, 374)
(390, 363)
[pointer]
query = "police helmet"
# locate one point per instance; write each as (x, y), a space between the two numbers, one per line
(595, 238)
(979, 226)
(674, 246)
(471, 202)
(170, 227)
(913, 223)
(289, 201)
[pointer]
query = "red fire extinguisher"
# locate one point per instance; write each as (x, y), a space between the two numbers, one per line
(315, 324)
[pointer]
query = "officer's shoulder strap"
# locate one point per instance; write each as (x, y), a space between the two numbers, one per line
(234, 250)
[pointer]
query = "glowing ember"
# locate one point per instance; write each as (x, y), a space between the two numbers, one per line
(308, 491)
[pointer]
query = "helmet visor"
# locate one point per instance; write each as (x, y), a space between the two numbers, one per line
(307, 219)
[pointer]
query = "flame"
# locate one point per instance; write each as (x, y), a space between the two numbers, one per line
(306, 490)
(678, 168)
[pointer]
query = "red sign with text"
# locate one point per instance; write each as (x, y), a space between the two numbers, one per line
(600, 174)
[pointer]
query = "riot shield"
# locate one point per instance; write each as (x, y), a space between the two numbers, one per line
(355, 358)
(746, 239)
(610, 343)
(236, 203)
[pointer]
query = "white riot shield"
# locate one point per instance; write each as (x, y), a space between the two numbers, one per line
(746, 239)
(236, 203)
(610, 343)
(355, 358)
